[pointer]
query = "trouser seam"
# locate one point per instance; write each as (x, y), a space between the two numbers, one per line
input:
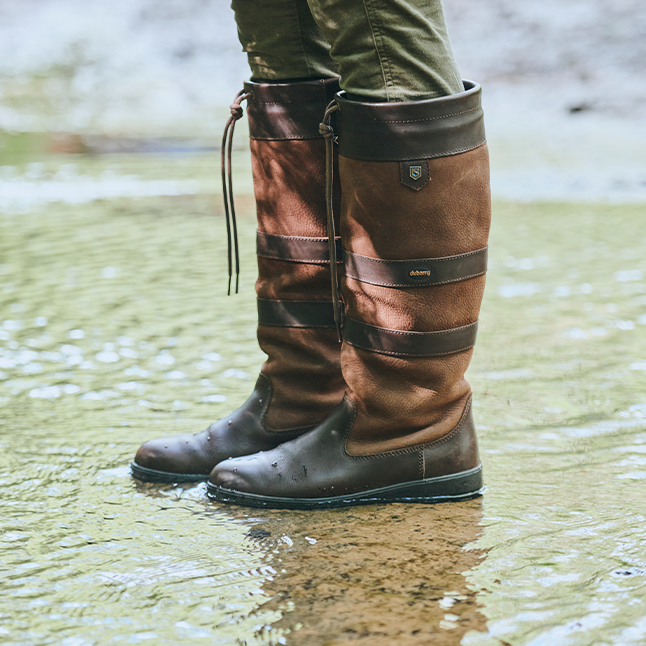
(300, 38)
(380, 47)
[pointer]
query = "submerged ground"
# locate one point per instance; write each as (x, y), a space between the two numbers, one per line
(115, 328)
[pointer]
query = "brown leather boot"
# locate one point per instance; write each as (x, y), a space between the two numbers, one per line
(301, 381)
(414, 224)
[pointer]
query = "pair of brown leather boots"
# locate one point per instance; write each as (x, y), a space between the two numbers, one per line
(384, 415)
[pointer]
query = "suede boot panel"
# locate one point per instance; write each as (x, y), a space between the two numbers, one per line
(289, 186)
(292, 281)
(422, 309)
(303, 365)
(304, 369)
(384, 219)
(404, 401)
(456, 451)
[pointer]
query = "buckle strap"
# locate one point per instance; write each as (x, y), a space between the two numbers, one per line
(408, 343)
(301, 314)
(419, 272)
(310, 251)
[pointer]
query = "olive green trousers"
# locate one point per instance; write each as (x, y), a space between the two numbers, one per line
(382, 50)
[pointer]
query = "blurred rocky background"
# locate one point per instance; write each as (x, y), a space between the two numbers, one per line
(563, 82)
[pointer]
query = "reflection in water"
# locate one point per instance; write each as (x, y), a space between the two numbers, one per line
(375, 575)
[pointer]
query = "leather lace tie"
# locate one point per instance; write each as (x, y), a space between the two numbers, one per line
(327, 132)
(227, 185)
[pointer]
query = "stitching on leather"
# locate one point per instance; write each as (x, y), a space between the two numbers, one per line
(263, 415)
(346, 437)
(410, 262)
(266, 239)
(410, 449)
(303, 261)
(294, 138)
(293, 324)
(457, 429)
(457, 151)
(444, 116)
(316, 103)
(422, 465)
(439, 282)
(284, 237)
(415, 260)
(348, 429)
(408, 354)
(413, 333)
(301, 327)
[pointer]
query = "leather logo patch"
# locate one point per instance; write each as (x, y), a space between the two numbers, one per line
(414, 173)
(420, 273)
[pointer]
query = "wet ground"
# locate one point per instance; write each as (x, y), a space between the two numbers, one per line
(115, 328)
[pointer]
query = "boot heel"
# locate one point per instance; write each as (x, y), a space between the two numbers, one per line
(457, 486)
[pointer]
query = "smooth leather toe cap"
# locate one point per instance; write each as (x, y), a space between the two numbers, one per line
(235, 474)
(173, 454)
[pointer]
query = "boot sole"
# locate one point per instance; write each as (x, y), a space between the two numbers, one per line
(152, 475)
(452, 488)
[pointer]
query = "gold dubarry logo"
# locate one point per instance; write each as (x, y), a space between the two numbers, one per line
(415, 172)
(419, 273)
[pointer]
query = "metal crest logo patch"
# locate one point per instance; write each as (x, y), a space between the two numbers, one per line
(415, 172)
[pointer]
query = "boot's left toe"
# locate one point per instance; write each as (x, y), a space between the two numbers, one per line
(170, 459)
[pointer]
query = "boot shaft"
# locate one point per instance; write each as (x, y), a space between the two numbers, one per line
(415, 220)
(296, 327)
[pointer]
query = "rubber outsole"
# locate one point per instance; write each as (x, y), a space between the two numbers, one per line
(167, 477)
(452, 488)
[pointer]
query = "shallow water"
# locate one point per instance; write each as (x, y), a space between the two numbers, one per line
(115, 329)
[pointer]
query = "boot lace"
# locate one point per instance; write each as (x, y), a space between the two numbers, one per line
(327, 132)
(227, 186)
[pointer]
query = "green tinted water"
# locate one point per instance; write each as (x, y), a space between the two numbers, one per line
(115, 329)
